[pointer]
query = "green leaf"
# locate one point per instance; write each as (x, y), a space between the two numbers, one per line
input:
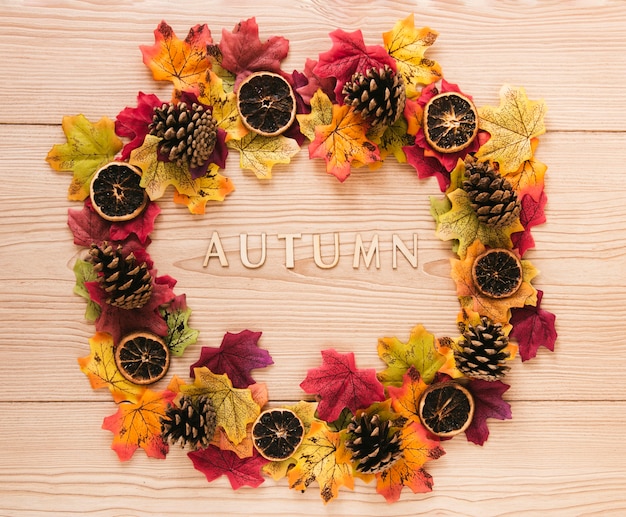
(179, 334)
(260, 153)
(419, 351)
(84, 272)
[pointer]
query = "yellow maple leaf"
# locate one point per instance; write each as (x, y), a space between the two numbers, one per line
(343, 142)
(530, 174)
(512, 126)
(321, 115)
(407, 45)
(234, 407)
(496, 309)
(260, 153)
(322, 457)
(89, 146)
(100, 368)
(210, 187)
(183, 62)
(224, 106)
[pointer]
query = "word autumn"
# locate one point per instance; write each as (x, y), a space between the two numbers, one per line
(362, 252)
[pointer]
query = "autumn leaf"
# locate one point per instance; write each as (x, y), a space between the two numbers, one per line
(531, 215)
(234, 408)
(419, 351)
(179, 334)
(183, 62)
(140, 226)
(321, 115)
(134, 123)
(214, 463)
(89, 146)
(322, 457)
(461, 223)
(315, 83)
(427, 166)
(100, 368)
(405, 399)
(138, 424)
(340, 384)
(343, 142)
(530, 175)
(488, 403)
(393, 140)
(417, 449)
(211, 187)
(349, 55)
(533, 327)
(512, 126)
(236, 357)
(407, 45)
(260, 153)
(83, 271)
(158, 175)
(243, 52)
(497, 309)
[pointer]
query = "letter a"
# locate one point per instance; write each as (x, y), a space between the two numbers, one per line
(216, 243)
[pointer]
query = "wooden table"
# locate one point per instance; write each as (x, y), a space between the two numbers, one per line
(563, 453)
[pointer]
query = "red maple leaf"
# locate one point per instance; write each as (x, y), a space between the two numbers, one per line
(243, 53)
(236, 357)
(214, 462)
(532, 214)
(141, 226)
(349, 55)
(87, 226)
(427, 166)
(533, 327)
(133, 122)
(315, 82)
(488, 403)
(120, 322)
(340, 384)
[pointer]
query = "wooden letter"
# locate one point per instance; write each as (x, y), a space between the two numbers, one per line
(289, 237)
(243, 251)
(359, 250)
(317, 253)
(216, 243)
(397, 244)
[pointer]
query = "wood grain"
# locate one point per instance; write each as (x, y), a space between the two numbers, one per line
(563, 452)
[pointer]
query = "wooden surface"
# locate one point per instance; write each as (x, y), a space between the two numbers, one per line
(564, 452)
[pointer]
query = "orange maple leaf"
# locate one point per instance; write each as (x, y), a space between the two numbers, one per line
(417, 449)
(497, 309)
(530, 174)
(138, 424)
(183, 62)
(405, 399)
(342, 142)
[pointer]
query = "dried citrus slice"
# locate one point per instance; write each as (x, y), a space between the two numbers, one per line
(450, 122)
(497, 273)
(446, 409)
(277, 433)
(266, 103)
(142, 358)
(115, 192)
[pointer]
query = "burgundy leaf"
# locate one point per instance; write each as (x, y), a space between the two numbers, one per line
(141, 226)
(133, 122)
(533, 327)
(243, 53)
(427, 166)
(488, 403)
(214, 462)
(87, 226)
(349, 55)
(340, 384)
(315, 82)
(532, 214)
(236, 357)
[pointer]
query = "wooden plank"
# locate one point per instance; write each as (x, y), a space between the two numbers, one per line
(554, 49)
(523, 469)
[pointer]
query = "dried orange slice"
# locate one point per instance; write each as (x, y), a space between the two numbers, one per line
(446, 409)
(115, 192)
(277, 433)
(266, 103)
(497, 273)
(450, 122)
(142, 358)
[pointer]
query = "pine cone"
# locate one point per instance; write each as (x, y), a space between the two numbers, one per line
(492, 196)
(193, 423)
(128, 284)
(374, 445)
(378, 95)
(189, 133)
(482, 351)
